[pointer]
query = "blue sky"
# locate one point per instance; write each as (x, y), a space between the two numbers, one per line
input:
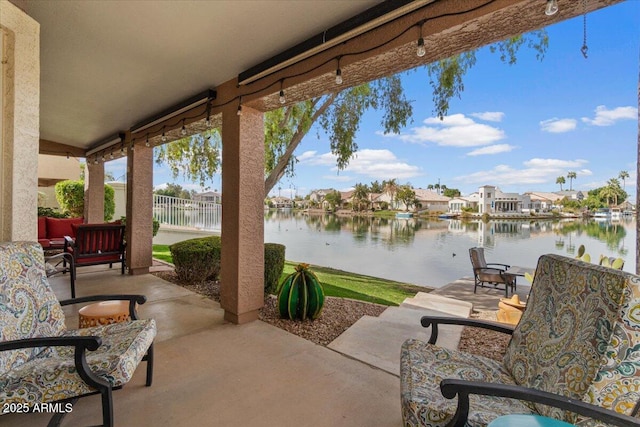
(518, 127)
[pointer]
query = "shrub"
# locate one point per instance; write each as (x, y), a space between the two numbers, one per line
(273, 266)
(70, 197)
(197, 260)
(51, 213)
(156, 224)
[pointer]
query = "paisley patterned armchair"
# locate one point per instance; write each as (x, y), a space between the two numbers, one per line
(41, 361)
(574, 356)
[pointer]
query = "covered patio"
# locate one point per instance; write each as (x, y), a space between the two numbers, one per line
(101, 79)
(210, 372)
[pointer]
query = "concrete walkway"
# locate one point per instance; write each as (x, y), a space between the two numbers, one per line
(484, 299)
(377, 340)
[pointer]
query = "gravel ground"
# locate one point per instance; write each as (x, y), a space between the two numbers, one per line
(338, 314)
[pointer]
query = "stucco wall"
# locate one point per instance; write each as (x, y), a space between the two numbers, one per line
(20, 123)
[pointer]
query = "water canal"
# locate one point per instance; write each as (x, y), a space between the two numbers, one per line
(434, 253)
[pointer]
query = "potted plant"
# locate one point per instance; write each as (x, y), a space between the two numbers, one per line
(301, 295)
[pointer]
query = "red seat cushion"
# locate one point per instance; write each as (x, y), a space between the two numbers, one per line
(57, 228)
(42, 228)
(44, 243)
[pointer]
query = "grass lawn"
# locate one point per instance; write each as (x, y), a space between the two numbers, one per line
(338, 283)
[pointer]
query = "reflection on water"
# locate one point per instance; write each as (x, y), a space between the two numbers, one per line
(434, 253)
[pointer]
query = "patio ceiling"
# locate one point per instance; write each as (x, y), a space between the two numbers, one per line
(106, 66)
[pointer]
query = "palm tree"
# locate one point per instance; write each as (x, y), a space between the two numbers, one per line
(390, 187)
(571, 176)
(608, 193)
(360, 195)
(560, 180)
(623, 175)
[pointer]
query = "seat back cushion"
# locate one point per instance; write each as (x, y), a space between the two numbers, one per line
(96, 239)
(477, 258)
(617, 383)
(42, 227)
(560, 342)
(28, 306)
(57, 228)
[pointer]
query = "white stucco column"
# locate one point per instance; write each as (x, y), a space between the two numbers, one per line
(19, 124)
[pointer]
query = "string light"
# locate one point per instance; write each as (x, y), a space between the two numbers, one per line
(183, 131)
(281, 97)
(147, 144)
(111, 155)
(240, 107)
(552, 7)
(123, 149)
(133, 144)
(95, 160)
(207, 122)
(421, 51)
(67, 155)
(102, 157)
(164, 137)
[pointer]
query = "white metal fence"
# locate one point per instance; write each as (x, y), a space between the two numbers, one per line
(187, 213)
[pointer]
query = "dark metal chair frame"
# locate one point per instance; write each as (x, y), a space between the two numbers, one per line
(82, 344)
(509, 280)
(94, 242)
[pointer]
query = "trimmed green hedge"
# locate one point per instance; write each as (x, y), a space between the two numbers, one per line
(273, 266)
(198, 260)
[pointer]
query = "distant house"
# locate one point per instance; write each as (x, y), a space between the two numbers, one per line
(493, 200)
(457, 203)
(543, 202)
(282, 202)
(571, 194)
(208, 196)
(316, 197)
(431, 200)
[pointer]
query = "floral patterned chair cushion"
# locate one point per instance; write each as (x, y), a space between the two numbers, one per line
(422, 368)
(28, 306)
(559, 344)
(54, 377)
(579, 337)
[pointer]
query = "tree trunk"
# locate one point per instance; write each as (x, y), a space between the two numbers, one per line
(281, 166)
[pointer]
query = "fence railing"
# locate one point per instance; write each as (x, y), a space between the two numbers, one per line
(187, 213)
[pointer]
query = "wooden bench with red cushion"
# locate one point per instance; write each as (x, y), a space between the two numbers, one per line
(97, 244)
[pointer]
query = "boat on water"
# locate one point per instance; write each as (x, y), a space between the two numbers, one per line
(602, 214)
(447, 216)
(616, 214)
(404, 215)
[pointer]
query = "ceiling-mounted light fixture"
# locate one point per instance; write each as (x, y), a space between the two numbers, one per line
(552, 7)
(338, 73)
(421, 50)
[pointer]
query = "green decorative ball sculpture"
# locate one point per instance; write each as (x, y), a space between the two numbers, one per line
(301, 295)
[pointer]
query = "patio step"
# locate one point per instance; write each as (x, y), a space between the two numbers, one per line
(377, 340)
(430, 301)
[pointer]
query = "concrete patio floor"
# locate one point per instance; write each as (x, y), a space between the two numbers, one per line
(208, 372)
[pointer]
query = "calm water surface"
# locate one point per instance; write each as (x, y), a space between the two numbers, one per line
(434, 253)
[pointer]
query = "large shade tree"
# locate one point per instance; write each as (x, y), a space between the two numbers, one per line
(338, 114)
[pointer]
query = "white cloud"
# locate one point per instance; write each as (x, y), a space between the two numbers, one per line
(489, 116)
(534, 171)
(338, 178)
(376, 164)
(556, 125)
(605, 117)
(456, 130)
(306, 155)
(491, 149)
